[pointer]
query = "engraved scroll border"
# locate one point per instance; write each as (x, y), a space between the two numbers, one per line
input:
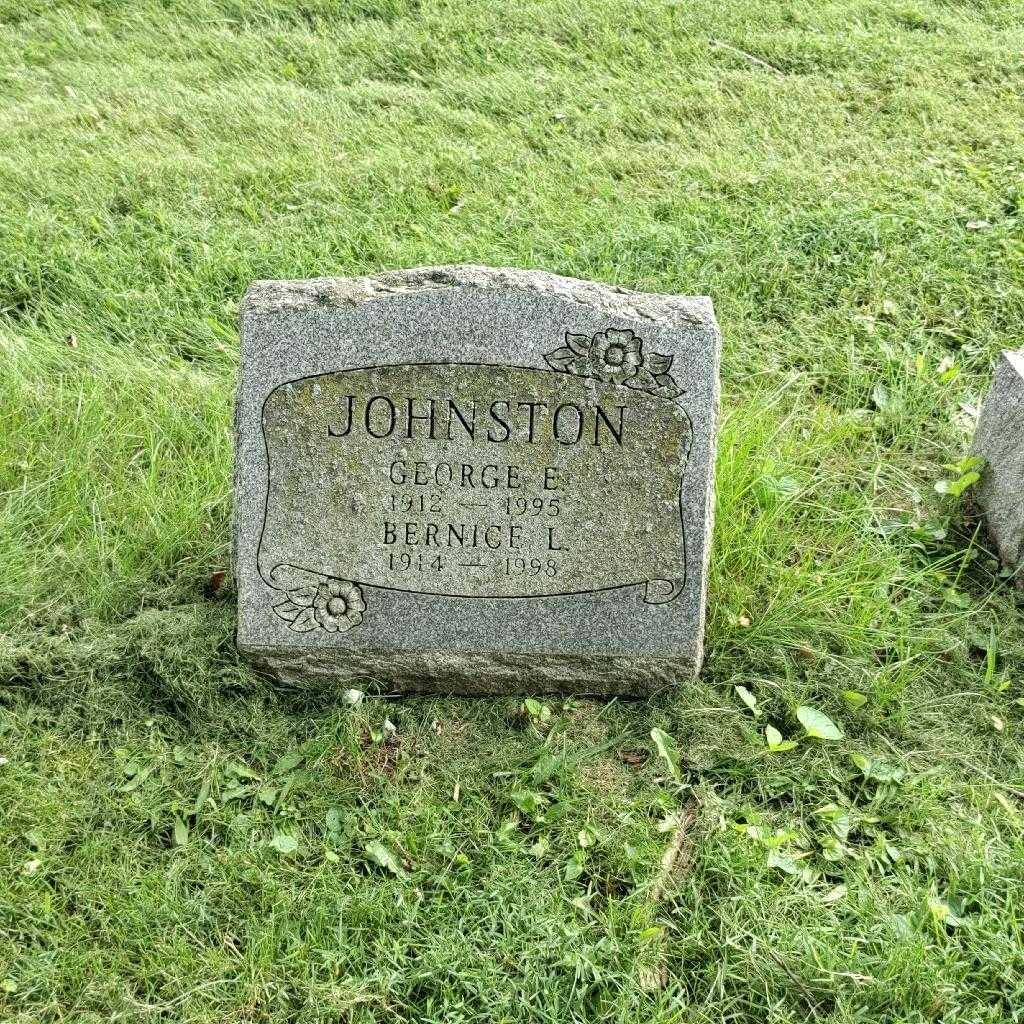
(614, 356)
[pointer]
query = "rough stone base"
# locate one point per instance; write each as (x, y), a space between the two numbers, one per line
(385, 672)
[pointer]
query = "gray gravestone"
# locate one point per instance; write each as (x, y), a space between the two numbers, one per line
(463, 479)
(1000, 439)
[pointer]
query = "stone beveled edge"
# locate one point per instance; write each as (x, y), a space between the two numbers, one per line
(421, 672)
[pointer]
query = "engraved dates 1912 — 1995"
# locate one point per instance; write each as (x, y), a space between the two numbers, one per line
(469, 480)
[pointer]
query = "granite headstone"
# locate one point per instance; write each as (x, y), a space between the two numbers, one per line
(1000, 439)
(463, 479)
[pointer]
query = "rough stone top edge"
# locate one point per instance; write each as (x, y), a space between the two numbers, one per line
(333, 292)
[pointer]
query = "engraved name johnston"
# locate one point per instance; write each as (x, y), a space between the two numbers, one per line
(467, 481)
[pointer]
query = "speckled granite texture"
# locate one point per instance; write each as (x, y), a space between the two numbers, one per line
(1000, 439)
(474, 480)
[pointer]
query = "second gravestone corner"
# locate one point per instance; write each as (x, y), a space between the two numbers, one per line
(464, 479)
(1000, 441)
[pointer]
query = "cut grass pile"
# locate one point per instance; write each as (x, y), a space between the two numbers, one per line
(182, 840)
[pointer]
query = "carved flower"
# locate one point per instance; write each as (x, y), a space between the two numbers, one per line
(615, 356)
(338, 605)
(319, 602)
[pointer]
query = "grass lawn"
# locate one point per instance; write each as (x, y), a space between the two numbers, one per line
(181, 840)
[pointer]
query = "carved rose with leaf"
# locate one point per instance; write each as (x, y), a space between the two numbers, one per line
(333, 605)
(616, 357)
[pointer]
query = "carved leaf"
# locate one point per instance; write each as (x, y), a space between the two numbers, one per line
(303, 596)
(642, 380)
(666, 386)
(657, 363)
(576, 356)
(299, 619)
(304, 621)
(560, 359)
(579, 343)
(582, 368)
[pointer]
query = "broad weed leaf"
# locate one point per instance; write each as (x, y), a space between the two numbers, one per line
(574, 866)
(288, 762)
(783, 861)
(749, 699)
(284, 843)
(667, 751)
(776, 744)
(380, 855)
(834, 895)
(879, 770)
(818, 724)
(180, 832)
